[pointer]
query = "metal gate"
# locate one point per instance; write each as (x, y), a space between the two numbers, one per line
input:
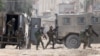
(35, 24)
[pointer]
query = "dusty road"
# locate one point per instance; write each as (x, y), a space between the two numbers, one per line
(59, 51)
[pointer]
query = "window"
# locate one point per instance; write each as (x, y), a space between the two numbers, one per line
(81, 20)
(66, 21)
(95, 20)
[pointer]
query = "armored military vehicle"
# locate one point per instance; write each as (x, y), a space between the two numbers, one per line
(20, 21)
(69, 26)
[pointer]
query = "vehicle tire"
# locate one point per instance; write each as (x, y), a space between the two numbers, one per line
(72, 41)
(2, 46)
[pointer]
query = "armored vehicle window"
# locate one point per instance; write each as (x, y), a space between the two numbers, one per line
(95, 20)
(81, 20)
(66, 21)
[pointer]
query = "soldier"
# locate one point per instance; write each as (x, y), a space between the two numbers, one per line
(50, 34)
(84, 38)
(38, 35)
(11, 25)
(91, 32)
(20, 38)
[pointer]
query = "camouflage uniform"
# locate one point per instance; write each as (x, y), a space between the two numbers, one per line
(50, 34)
(20, 38)
(38, 35)
(91, 32)
(84, 38)
(11, 30)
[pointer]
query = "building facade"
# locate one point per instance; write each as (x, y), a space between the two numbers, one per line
(47, 6)
(46, 9)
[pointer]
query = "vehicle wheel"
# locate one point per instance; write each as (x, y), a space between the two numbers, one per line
(2, 45)
(72, 41)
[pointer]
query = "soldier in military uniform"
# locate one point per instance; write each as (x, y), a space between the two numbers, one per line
(84, 38)
(11, 25)
(20, 38)
(91, 33)
(50, 34)
(38, 35)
